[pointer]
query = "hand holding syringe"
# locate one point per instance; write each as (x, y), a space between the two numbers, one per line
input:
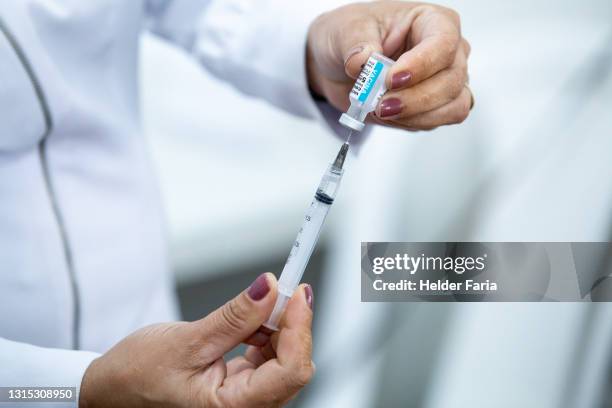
(364, 97)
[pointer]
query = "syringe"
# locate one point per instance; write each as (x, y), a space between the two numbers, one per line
(365, 95)
(308, 236)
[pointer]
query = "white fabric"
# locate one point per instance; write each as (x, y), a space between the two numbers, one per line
(85, 57)
(42, 367)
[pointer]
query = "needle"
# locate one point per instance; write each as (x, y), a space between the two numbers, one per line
(348, 139)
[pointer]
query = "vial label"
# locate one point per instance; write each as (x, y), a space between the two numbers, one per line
(366, 80)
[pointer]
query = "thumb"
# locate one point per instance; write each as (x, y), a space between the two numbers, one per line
(357, 47)
(232, 323)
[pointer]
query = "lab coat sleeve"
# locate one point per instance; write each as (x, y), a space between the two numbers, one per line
(25, 365)
(258, 46)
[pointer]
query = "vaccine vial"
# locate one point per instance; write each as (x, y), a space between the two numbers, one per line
(367, 91)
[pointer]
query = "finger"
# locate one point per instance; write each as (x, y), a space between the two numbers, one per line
(232, 323)
(238, 364)
(270, 348)
(268, 351)
(211, 379)
(294, 346)
(428, 95)
(255, 355)
(279, 379)
(436, 36)
(355, 45)
(467, 48)
(259, 338)
(452, 113)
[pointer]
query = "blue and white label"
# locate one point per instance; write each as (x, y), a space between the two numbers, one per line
(366, 80)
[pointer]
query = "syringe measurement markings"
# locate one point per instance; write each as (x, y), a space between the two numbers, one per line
(307, 237)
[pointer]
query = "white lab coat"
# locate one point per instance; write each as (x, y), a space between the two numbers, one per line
(82, 252)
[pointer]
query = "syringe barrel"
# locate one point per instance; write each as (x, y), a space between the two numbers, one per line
(305, 242)
(367, 91)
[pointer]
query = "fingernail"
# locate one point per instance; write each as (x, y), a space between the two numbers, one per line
(309, 295)
(259, 288)
(400, 79)
(352, 52)
(390, 107)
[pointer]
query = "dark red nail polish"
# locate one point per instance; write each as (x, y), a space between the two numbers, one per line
(259, 288)
(400, 79)
(390, 107)
(309, 295)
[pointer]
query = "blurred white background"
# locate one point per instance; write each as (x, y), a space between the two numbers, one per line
(532, 163)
